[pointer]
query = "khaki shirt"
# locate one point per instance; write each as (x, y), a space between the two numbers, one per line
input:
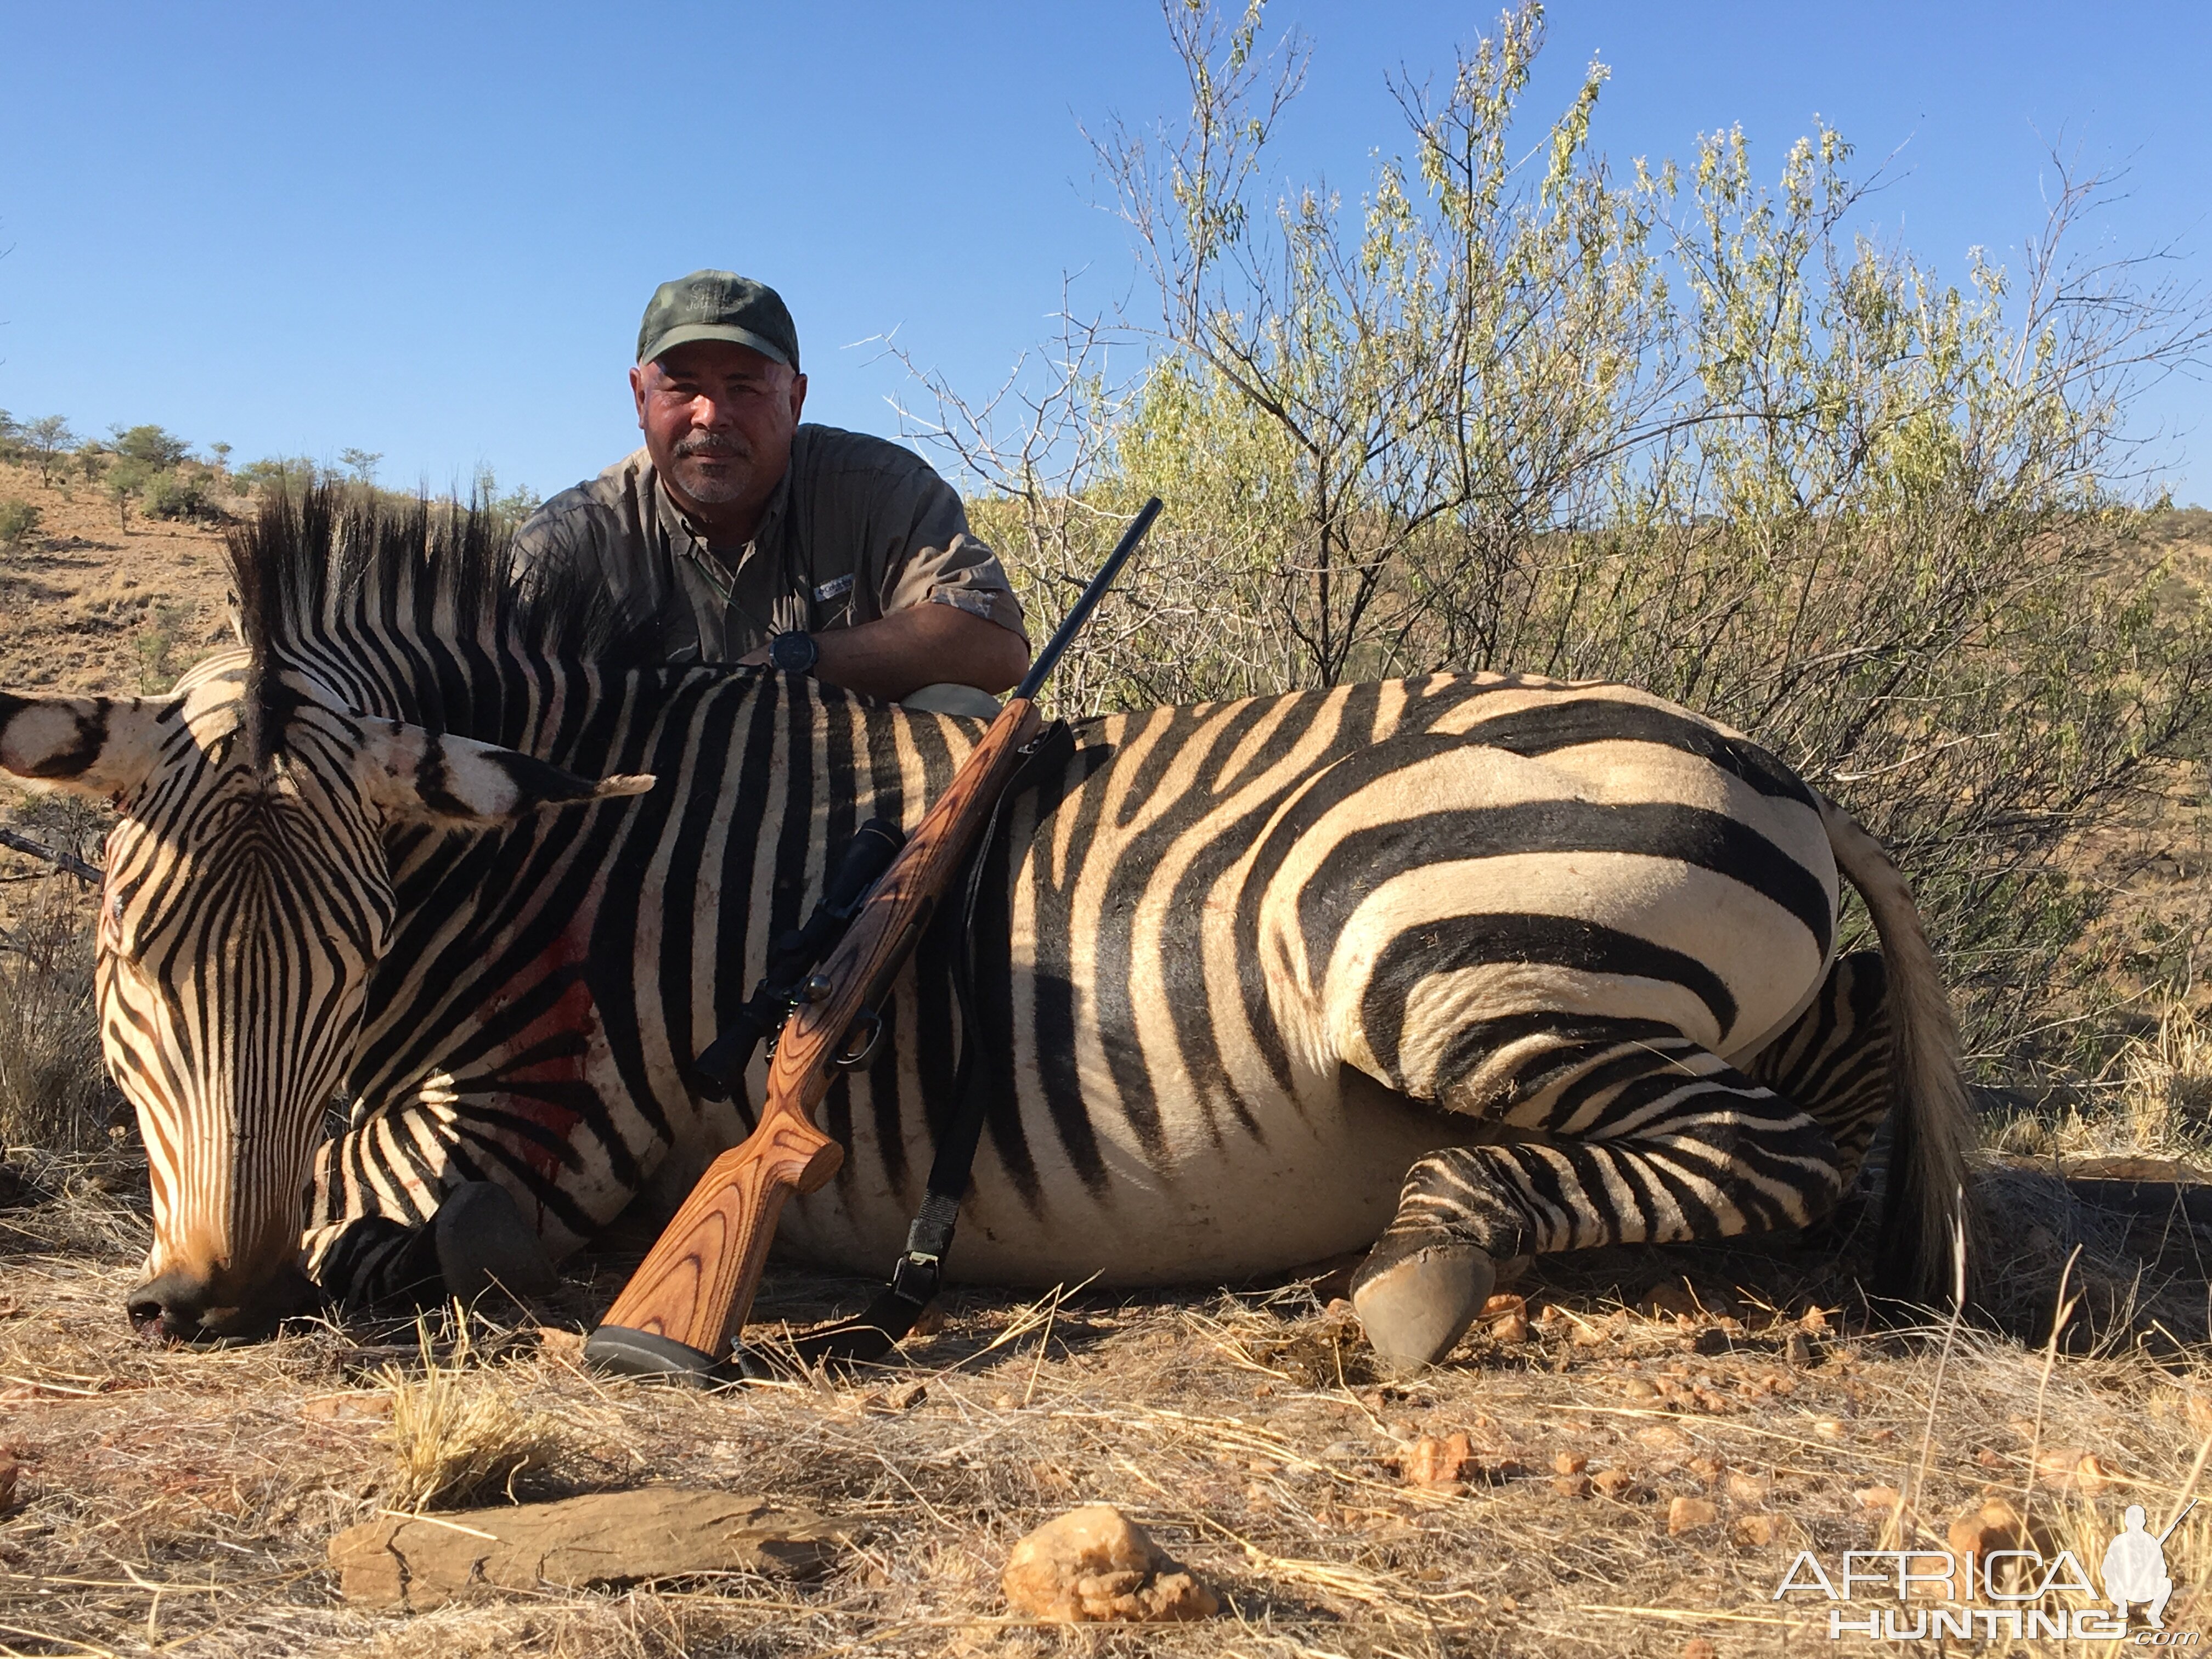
(857, 528)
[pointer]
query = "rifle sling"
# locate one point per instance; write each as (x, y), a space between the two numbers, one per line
(919, 1269)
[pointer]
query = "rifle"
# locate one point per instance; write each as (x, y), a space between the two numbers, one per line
(691, 1295)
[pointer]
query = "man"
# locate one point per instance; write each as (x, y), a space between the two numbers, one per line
(754, 539)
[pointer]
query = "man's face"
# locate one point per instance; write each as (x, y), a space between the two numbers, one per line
(718, 419)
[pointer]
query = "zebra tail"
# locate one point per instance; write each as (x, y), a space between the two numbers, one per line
(1933, 1132)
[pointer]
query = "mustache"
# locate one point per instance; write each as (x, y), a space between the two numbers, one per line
(712, 447)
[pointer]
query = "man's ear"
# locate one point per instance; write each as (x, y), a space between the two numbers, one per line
(99, 747)
(433, 777)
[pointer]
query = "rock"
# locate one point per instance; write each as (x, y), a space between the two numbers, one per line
(354, 1405)
(1699, 1647)
(1613, 1483)
(1749, 1488)
(1436, 1463)
(1996, 1525)
(1504, 1303)
(899, 1397)
(1690, 1514)
(1829, 1428)
(1796, 1351)
(612, 1538)
(1571, 1485)
(1814, 1323)
(1707, 1469)
(1513, 1328)
(1670, 1298)
(1570, 1463)
(1757, 1530)
(10, 1472)
(2070, 1467)
(1095, 1566)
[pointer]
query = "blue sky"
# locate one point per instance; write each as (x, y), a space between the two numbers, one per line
(429, 230)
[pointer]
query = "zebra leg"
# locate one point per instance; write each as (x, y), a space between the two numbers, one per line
(475, 1241)
(1834, 1061)
(1624, 1135)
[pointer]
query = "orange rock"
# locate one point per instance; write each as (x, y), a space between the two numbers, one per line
(1500, 1305)
(1698, 1647)
(1993, 1525)
(1613, 1483)
(1514, 1327)
(1095, 1565)
(1877, 1497)
(1570, 1463)
(1433, 1462)
(1758, 1530)
(1707, 1469)
(1690, 1514)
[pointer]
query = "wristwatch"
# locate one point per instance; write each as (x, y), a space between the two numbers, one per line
(794, 653)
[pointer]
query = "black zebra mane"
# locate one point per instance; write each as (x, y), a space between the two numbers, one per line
(330, 569)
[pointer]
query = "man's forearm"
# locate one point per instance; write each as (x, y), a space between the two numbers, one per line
(921, 645)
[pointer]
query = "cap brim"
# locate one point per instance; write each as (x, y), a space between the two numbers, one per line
(684, 334)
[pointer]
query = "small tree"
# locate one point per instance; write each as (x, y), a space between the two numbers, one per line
(124, 482)
(361, 462)
(221, 453)
(48, 439)
(151, 445)
(19, 522)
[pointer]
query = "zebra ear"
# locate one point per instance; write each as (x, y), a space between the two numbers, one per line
(102, 747)
(435, 777)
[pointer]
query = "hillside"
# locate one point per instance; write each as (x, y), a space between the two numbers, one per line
(1624, 1459)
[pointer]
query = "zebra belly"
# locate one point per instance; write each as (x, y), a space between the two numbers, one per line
(1315, 1181)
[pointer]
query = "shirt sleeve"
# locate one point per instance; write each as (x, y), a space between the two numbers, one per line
(941, 561)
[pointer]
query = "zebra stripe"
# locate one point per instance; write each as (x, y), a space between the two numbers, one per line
(1561, 951)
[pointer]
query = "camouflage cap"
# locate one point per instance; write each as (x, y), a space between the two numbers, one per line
(718, 305)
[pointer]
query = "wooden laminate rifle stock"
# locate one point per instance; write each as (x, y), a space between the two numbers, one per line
(688, 1298)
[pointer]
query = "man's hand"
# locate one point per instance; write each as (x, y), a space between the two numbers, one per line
(919, 646)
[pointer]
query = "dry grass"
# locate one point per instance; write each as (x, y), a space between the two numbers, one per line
(181, 1502)
(54, 1095)
(457, 1436)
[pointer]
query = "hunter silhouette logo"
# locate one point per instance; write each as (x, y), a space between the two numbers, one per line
(2135, 1566)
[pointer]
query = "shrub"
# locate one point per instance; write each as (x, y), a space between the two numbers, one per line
(54, 1092)
(178, 495)
(19, 522)
(1680, 428)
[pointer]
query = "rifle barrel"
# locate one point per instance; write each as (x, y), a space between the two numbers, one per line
(1065, 636)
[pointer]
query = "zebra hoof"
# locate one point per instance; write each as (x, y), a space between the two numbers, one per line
(1414, 1308)
(484, 1243)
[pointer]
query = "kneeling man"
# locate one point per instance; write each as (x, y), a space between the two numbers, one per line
(756, 539)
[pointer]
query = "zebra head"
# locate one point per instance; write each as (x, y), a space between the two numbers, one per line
(247, 900)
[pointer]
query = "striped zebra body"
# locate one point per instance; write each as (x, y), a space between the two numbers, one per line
(1469, 968)
(1215, 1032)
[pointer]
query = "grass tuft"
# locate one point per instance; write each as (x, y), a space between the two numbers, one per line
(457, 1436)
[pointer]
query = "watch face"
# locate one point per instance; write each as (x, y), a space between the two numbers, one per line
(793, 653)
